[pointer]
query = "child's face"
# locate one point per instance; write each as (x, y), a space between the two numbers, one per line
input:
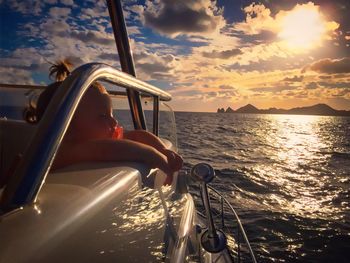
(93, 118)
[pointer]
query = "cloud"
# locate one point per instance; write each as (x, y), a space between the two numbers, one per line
(93, 37)
(152, 68)
(56, 12)
(51, 2)
(325, 77)
(27, 7)
(109, 56)
(209, 95)
(272, 89)
(335, 85)
(48, 28)
(11, 75)
(176, 17)
(227, 87)
(330, 66)
(67, 2)
(155, 66)
(23, 59)
(225, 54)
(312, 85)
(259, 18)
(294, 79)
(137, 9)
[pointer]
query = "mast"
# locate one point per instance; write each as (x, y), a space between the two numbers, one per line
(126, 59)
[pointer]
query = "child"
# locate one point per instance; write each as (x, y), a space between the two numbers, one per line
(89, 136)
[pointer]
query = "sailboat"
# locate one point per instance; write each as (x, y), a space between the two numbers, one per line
(107, 212)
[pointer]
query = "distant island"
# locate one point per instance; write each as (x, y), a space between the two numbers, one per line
(318, 109)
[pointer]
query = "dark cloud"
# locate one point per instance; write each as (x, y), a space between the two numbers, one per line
(153, 67)
(211, 93)
(341, 93)
(218, 94)
(27, 7)
(294, 79)
(168, 58)
(272, 89)
(92, 37)
(328, 85)
(11, 75)
(312, 85)
(226, 87)
(181, 16)
(271, 64)
(228, 93)
(222, 54)
(263, 37)
(330, 66)
(325, 77)
(335, 85)
(108, 56)
(59, 12)
(155, 70)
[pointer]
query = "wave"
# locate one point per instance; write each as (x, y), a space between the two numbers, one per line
(288, 179)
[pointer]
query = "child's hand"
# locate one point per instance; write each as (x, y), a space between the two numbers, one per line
(168, 180)
(175, 161)
(166, 160)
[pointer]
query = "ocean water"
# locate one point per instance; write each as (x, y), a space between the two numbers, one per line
(287, 176)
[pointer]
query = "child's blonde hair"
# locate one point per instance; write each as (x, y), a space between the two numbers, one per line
(62, 69)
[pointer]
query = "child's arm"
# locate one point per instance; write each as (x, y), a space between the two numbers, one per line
(111, 150)
(148, 138)
(145, 137)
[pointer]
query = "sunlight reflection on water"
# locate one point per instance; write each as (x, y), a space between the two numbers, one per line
(287, 175)
(286, 150)
(297, 140)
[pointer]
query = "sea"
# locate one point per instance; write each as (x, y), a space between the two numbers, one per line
(287, 176)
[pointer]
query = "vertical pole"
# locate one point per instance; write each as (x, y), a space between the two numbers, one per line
(155, 115)
(239, 244)
(211, 227)
(222, 213)
(126, 60)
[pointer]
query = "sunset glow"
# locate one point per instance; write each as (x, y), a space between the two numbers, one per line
(302, 28)
(206, 54)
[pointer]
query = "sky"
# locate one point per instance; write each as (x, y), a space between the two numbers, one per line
(207, 54)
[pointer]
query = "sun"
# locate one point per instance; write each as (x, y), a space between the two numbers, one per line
(303, 27)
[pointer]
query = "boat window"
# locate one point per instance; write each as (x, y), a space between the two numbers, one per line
(16, 102)
(166, 119)
(167, 125)
(120, 105)
(147, 105)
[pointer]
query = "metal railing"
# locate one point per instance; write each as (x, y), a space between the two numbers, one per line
(31, 172)
(239, 224)
(221, 218)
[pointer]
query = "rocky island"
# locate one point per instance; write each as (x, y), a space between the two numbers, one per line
(318, 109)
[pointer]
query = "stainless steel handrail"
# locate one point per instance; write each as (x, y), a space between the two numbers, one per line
(238, 222)
(31, 172)
(40, 87)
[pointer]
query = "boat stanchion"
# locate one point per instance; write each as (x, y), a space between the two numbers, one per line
(212, 240)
